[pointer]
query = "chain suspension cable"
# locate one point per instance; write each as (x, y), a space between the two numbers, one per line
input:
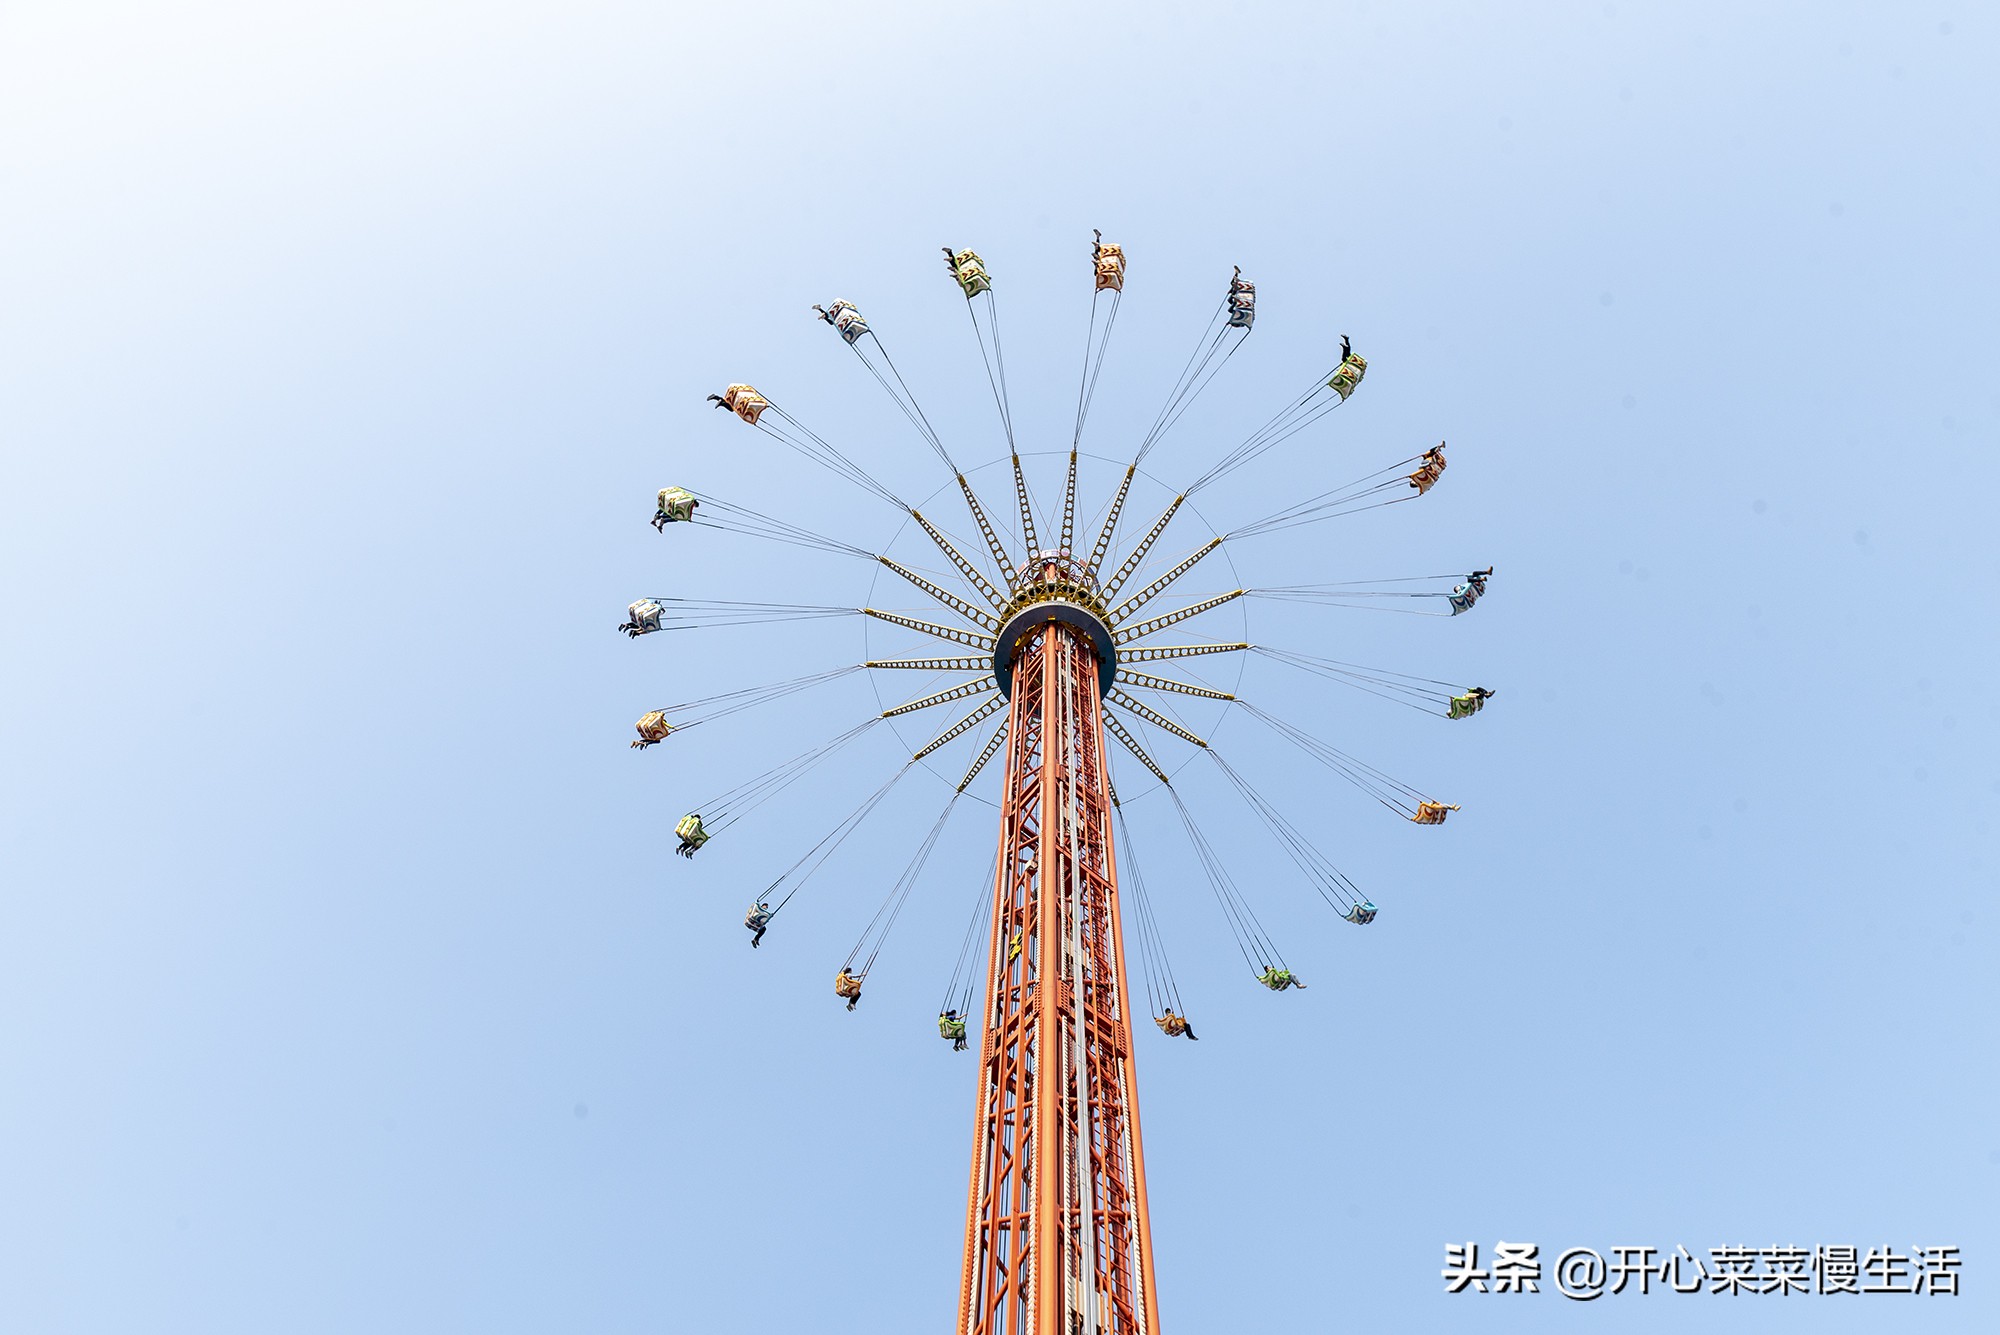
(748, 697)
(1162, 991)
(1423, 694)
(701, 612)
(1185, 387)
(996, 365)
(815, 857)
(1300, 413)
(1194, 391)
(1392, 793)
(900, 393)
(1351, 498)
(1258, 950)
(797, 436)
(958, 990)
(740, 519)
(746, 797)
(1093, 361)
(878, 928)
(1340, 893)
(1363, 594)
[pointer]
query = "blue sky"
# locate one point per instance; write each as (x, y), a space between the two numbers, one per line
(346, 983)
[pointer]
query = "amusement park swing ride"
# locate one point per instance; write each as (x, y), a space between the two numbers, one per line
(1050, 640)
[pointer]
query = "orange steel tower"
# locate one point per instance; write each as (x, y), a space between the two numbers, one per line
(1057, 1239)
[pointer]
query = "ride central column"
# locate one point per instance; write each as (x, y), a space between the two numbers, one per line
(1057, 1236)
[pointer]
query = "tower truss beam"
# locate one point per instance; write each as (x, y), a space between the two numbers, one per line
(942, 697)
(1159, 586)
(1112, 585)
(1154, 717)
(963, 726)
(970, 639)
(1167, 651)
(994, 547)
(1027, 511)
(1057, 1237)
(970, 663)
(957, 558)
(1103, 544)
(1145, 628)
(1124, 735)
(1128, 678)
(951, 600)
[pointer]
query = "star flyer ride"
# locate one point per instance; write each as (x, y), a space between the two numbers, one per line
(1054, 644)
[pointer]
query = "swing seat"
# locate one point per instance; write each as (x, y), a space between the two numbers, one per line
(970, 271)
(677, 504)
(745, 402)
(1361, 914)
(643, 617)
(1110, 264)
(653, 727)
(1348, 375)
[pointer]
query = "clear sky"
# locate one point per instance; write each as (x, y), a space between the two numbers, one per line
(346, 984)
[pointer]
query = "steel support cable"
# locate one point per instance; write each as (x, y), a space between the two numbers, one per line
(994, 382)
(1195, 392)
(749, 697)
(1330, 512)
(1358, 607)
(833, 839)
(741, 519)
(1250, 442)
(906, 400)
(825, 455)
(1093, 365)
(1378, 785)
(1318, 869)
(1000, 360)
(1393, 685)
(1203, 348)
(1162, 990)
(885, 917)
(962, 974)
(1346, 494)
(1300, 414)
(1345, 593)
(746, 797)
(1333, 756)
(700, 612)
(1251, 940)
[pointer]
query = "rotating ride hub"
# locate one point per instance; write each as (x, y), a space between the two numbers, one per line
(1054, 587)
